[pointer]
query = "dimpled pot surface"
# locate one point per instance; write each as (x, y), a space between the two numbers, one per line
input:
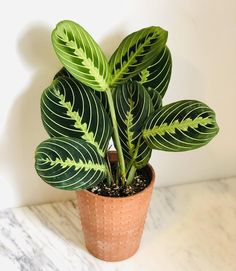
(113, 226)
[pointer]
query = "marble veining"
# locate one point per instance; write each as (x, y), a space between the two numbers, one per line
(189, 227)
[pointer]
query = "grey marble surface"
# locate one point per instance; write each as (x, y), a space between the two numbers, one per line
(189, 227)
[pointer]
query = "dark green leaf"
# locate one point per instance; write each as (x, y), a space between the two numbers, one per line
(180, 126)
(157, 75)
(100, 94)
(70, 164)
(156, 98)
(133, 105)
(71, 109)
(64, 73)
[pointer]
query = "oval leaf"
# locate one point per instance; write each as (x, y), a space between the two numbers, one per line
(144, 152)
(71, 109)
(180, 126)
(157, 76)
(70, 164)
(81, 55)
(101, 95)
(136, 52)
(133, 105)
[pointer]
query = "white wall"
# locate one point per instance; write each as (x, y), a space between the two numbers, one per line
(202, 38)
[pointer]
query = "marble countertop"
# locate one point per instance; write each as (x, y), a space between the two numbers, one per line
(189, 227)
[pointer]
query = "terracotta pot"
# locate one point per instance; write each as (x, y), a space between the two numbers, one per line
(113, 226)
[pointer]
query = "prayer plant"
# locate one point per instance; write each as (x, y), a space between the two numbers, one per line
(91, 100)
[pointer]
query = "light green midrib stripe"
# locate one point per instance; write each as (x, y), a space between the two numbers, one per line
(187, 123)
(88, 136)
(88, 63)
(78, 165)
(145, 73)
(124, 68)
(144, 76)
(129, 125)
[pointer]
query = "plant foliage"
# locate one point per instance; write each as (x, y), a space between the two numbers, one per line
(91, 100)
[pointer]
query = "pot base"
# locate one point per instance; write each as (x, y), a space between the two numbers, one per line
(113, 226)
(111, 258)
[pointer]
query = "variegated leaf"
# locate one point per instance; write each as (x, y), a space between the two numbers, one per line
(136, 52)
(64, 73)
(180, 126)
(133, 105)
(144, 152)
(81, 55)
(100, 94)
(157, 75)
(69, 163)
(156, 98)
(71, 109)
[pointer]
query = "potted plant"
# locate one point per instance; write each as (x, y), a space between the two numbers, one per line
(92, 100)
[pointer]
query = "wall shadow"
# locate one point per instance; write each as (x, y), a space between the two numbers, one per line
(24, 128)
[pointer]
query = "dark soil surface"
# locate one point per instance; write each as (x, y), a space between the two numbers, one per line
(141, 181)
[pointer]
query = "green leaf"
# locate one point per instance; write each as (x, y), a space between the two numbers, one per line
(63, 73)
(81, 55)
(133, 105)
(100, 94)
(143, 155)
(180, 126)
(71, 109)
(156, 98)
(136, 52)
(157, 76)
(69, 163)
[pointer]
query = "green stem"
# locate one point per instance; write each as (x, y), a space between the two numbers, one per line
(131, 175)
(117, 176)
(109, 177)
(109, 173)
(116, 137)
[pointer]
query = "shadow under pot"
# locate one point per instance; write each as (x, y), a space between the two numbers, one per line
(113, 226)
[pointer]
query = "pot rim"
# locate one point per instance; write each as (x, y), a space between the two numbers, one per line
(152, 175)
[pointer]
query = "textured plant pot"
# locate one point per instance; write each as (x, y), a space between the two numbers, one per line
(113, 227)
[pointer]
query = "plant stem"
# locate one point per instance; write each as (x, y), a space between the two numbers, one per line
(109, 177)
(109, 173)
(117, 175)
(131, 175)
(116, 137)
